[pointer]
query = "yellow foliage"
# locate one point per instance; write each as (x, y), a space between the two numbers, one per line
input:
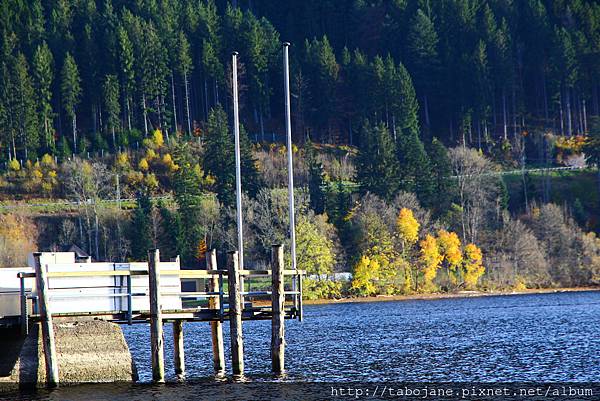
(151, 181)
(430, 259)
(473, 268)
(407, 226)
(519, 285)
(134, 178)
(169, 163)
(17, 239)
(14, 165)
(157, 139)
(449, 245)
(122, 161)
(201, 250)
(143, 164)
(37, 175)
(366, 273)
(210, 180)
(150, 154)
(47, 160)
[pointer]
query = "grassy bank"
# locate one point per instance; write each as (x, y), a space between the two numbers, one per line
(433, 296)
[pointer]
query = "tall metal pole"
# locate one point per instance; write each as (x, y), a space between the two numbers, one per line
(297, 301)
(238, 172)
(288, 130)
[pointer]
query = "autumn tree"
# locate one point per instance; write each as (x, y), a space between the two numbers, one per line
(429, 260)
(473, 266)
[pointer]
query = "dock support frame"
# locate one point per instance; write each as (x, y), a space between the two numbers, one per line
(216, 327)
(156, 321)
(46, 322)
(235, 315)
(278, 308)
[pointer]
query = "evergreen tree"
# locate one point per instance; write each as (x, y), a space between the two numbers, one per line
(70, 88)
(24, 113)
(377, 168)
(441, 170)
(220, 160)
(423, 57)
(188, 186)
(408, 108)
(126, 68)
(112, 105)
(141, 228)
(316, 180)
(184, 69)
(43, 72)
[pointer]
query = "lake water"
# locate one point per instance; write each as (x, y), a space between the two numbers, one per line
(521, 338)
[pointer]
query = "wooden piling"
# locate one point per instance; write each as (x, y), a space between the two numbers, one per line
(278, 308)
(156, 324)
(216, 327)
(46, 322)
(235, 315)
(179, 356)
(24, 312)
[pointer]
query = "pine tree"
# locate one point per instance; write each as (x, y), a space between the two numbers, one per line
(43, 73)
(188, 186)
(112, 105)
(70, 88)
(408, 108)
(126, 68)
(377, 166)
(423, 57)
(316, 179)
(23, 112)
(442, 171)
(220, 159)
(184, 69)
(141, 229)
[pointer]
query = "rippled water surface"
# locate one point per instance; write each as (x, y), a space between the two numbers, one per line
(549, 337)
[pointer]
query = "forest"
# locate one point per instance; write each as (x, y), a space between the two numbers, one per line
(406, 114)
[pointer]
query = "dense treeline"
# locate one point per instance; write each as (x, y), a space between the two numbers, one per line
(100, 75)
(105, 100)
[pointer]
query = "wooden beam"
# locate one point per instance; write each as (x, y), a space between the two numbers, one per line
(46, 322)
(278, 307)
(178, 355)
(216, 327)
(156, 324)
(235, 315)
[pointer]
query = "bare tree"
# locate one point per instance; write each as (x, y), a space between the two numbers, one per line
(87, 184)
(478, 190)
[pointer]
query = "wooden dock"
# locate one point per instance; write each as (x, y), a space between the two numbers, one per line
(218, 297)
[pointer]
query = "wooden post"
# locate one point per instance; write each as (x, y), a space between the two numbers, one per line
(179, 356)
(46, 322)
(156, 324)
(216, 327)
(129, 299)
(235, 315)
(24, 313)
(278, 309)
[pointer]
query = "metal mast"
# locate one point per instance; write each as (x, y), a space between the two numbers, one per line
(238, 173)
(288, 130)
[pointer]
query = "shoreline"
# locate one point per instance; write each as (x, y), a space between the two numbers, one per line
(435, 296)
